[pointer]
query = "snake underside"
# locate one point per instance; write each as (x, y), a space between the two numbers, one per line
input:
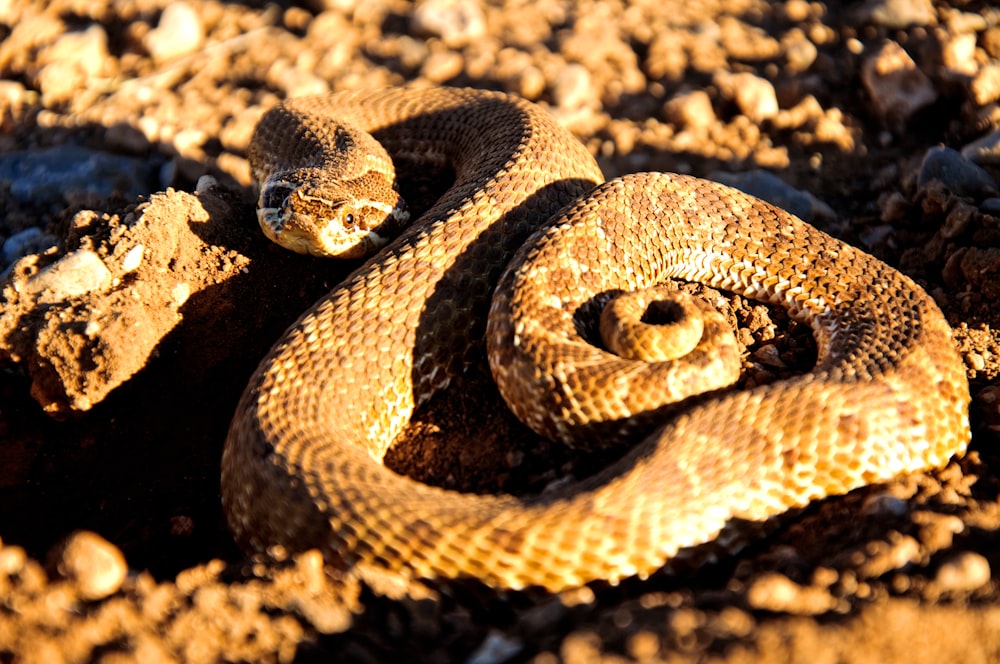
(302, 462)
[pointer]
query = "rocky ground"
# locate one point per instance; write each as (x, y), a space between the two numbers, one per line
(123, 134)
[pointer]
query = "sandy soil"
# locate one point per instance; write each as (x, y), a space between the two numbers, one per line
(123, 131)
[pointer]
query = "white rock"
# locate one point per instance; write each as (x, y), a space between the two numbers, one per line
(985, 86)
(132, 259)
(74, 274)
(754, 95)
(958, 54)
(95, 565)
(179, 32)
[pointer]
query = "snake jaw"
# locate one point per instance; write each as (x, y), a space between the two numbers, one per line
(325, 225)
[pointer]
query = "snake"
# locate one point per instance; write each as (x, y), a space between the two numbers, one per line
(507, 267)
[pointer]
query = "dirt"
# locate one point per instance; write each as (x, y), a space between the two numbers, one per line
(115, 396)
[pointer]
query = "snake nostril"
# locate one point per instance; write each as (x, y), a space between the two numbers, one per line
(275, 196)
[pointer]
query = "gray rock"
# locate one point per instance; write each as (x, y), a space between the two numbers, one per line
(769, 187)
(991, 206)
(960, 175)
(64, 173)
(29, 241)
(755, 96)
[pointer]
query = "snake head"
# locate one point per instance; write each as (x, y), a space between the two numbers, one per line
(310, 215)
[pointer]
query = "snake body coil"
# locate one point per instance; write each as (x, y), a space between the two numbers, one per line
(302, 467)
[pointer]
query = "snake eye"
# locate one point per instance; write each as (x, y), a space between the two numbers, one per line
(348, 219)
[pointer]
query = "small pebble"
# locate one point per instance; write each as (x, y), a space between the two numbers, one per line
(776, 592)
(59, 81)
(958, 55)
(495, 648)
(180, 293)
(690, 110)
(179, 32)
(882, 557)
(455, 22)
(985, 87)
(899, 14)
(984, 150)
(299, 83)
(74, 274)
(573, 87)
(800, 53)
(964, 572)
(93, 564)
(896, 87)
(754, 95)
(441, 66)
(959, 175)
(87, 50)
(132, 259)
(884, 504)
(961, 22)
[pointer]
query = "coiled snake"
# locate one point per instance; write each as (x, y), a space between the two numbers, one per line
(301, 466)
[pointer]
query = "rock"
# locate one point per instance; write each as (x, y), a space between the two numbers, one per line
(991, 206)
(884, 504)
(896, 87)
(495, 648)
(95, 566)
(58, 82)
(985, 87)
(754, 95)
(898, 14)
(800, 53)
(769, 187)
(690, 110)
(86, 50)
(573, 87)
(69, 173)
(959, 175)
(179, 32)
(72, 275)
(958, 55)
(776, 592)
(441, 66)
(455, 22)
(70, 62)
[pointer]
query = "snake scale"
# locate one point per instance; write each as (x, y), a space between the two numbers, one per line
(302, 461)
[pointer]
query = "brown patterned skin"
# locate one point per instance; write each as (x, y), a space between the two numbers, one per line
(302, 462)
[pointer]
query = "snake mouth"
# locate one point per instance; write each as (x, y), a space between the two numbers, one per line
(326, 223)
(301, 234)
